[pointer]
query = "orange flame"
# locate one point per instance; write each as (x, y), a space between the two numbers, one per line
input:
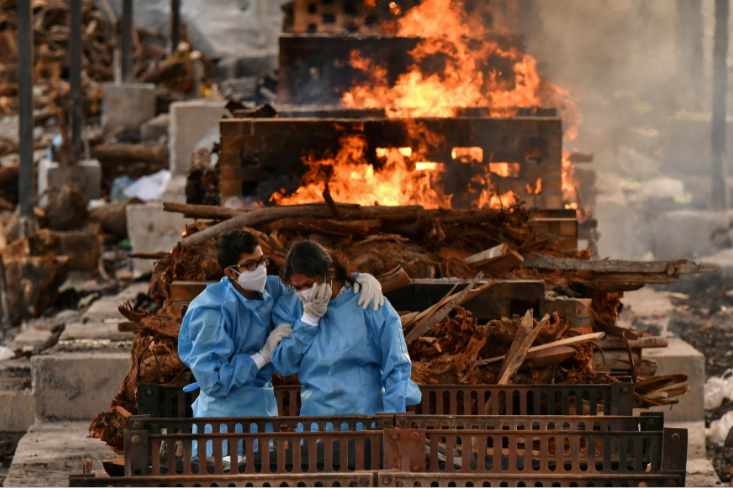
(461, 43)
(352, 180)
(569, 182)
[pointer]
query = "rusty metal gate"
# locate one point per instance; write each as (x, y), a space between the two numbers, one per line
(613, 399)
(402, 450)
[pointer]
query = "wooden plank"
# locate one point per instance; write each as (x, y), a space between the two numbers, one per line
(670, 268)
(562, 342)
(640, 343)
(526, 335)
(553, 355)
(489, 255)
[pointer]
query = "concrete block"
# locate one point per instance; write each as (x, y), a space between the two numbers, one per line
(683, 234)
(681, 357)
(52, 175)
(155, 128)
(190, 121)
(51, 451)
(127, 105)
(152, 230)
(76, 385)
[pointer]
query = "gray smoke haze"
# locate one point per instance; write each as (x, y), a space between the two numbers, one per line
(641, 71)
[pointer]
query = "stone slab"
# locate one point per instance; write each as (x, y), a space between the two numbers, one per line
(51, 451)
(681, 357)
(190, 121)
(76, 385)
(151, 229)
(127, 104)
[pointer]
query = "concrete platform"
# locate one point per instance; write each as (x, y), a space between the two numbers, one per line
(681, 357)
(700, 471)
(77, 385)
(50, 452)
(190, 121)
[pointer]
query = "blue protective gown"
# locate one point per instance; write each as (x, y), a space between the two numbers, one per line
(354, 363)
(219, 333)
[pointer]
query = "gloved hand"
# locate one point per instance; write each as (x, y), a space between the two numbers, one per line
(317, 303)
(371, 291)
(277, 335)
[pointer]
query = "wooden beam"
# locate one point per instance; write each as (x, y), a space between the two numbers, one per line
(562, 342)
(670, 268)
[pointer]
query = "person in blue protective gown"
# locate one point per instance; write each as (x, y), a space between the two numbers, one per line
(227, 336)
(350, 360)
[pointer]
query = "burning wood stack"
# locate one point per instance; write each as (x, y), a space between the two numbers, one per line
(448, 342)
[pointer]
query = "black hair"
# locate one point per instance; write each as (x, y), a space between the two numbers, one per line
(233, 244)
(315, 261)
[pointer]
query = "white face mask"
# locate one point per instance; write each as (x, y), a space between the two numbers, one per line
(306, 294)
(253, 280)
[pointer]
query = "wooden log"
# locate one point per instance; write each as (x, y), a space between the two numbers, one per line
(526, 335)
(208, 212)
(112, 217)
(562, 342)
(495, 261)
(326, 226)
(394, 280)
(112, 152)
(654, 383)
(670, 268)
(270, 214)
(554, 355)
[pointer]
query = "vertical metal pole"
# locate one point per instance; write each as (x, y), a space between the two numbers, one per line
(28, 222)
(175, 26)
(720, 87)
(126, 44)
(75, 76)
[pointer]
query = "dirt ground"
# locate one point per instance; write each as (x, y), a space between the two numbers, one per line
(705, 320)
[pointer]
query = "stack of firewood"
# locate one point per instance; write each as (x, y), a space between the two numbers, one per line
(446, 342)
(51, 22)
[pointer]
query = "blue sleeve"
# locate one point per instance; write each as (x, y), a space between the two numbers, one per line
(210, 355)
(274, 287)
(399, 390)
(289, 353)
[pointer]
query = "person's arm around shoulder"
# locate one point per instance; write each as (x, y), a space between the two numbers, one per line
(399, 390)
(209, 352)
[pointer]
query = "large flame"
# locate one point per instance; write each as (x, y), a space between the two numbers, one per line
(464, 49)
(454, 67)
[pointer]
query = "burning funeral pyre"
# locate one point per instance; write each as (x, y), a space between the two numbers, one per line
(422, 176)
